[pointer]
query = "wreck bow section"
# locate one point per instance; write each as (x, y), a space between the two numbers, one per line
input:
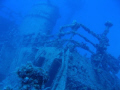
(61, 67)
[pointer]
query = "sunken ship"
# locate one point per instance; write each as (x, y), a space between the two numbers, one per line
(32, 58)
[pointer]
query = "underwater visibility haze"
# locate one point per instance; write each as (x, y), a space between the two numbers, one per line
(59, 45)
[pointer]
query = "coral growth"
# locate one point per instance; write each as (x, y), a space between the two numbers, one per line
(32, 78)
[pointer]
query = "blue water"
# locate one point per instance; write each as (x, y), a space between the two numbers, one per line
(91, 13)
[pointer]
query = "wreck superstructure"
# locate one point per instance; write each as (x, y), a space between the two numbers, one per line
(50, 62)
